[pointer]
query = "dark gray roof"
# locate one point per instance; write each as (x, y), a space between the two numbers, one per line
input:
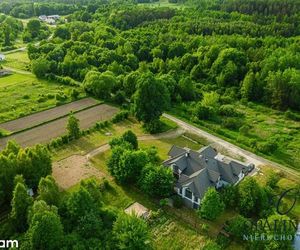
(175, 151)
(202, 169)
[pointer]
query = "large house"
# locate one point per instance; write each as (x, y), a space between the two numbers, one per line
(196, 171)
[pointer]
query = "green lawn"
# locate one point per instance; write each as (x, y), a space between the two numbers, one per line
(89, 142)
(163, 3)
(17, 60)
(23, 94)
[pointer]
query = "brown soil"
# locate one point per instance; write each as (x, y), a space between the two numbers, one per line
(70, 171)
(54, 129)
(47, 115)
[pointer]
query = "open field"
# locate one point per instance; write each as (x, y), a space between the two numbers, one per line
(47, 115)
(46, 132)
(22, 95)
(17, 60)
(265, 125)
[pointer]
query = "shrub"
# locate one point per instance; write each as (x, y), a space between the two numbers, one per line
(291, 115)
(229, 111)
(267, 147)
(177, 201)
(104, 185)
(61, 96)
(120, 116)
(203, 112)
(232, 123)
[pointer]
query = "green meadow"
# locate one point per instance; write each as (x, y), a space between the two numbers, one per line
(24, 94)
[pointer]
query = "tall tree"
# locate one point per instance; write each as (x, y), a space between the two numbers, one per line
(48, 191)
(73, 127)
(157, 181)
(20, 204)
(46, 231)
(130, 232)
(211, 205)
(151, 99)
(131, 138)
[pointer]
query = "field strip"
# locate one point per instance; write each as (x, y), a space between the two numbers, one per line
(54, 129)
(47, 115)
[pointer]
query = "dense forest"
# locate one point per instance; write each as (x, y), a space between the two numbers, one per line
(207, 59)
(200, 60)
(231, 54)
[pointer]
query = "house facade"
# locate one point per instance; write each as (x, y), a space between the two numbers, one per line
(196, 171)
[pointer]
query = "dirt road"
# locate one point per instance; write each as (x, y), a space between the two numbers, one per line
(248, 156)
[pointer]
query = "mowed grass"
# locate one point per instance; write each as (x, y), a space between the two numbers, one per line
(24, 94)
(17, 60)
(89, 142)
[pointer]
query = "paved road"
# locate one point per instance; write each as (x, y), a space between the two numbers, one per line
(249, 157)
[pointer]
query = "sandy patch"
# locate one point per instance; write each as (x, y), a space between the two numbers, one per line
(138, 209)
(70, 171)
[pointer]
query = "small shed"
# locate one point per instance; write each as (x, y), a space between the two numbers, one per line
(139, 210)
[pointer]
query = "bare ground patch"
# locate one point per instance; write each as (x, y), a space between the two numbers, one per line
(54, 129)
(47, 115)
(70, 171)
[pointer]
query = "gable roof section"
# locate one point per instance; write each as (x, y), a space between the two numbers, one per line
(208, 152)
(198, 183)
(175, 151)
(202, 169)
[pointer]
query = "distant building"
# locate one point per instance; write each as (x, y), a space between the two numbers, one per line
(2, 57)
(196, 171)
(49, 19)
(55, 17)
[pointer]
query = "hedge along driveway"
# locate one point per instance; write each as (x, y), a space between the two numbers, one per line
(54, 129)
(47, 115)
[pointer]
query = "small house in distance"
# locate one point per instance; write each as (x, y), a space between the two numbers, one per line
(196, 171)
(49, 19)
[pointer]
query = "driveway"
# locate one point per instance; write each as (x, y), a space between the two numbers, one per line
(248, 156)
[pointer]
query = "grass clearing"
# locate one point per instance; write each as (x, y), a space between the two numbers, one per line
(17, 60)
(22, 95)
(89, 142)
